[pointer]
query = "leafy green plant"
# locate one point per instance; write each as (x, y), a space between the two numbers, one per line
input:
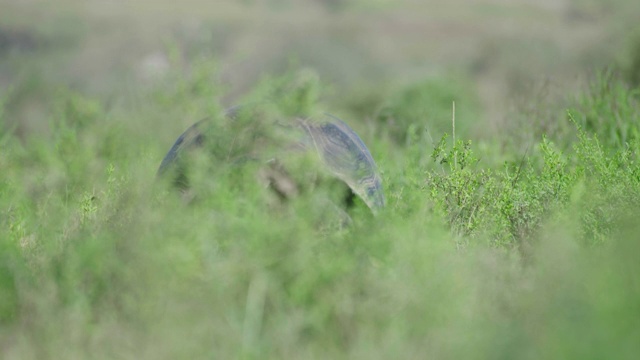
(509, 206)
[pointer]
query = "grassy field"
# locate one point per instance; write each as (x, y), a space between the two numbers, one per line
(517, 240)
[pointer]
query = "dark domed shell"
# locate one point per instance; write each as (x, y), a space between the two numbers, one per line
(341, 150)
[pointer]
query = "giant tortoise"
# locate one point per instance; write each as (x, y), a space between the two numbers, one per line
(340, 150)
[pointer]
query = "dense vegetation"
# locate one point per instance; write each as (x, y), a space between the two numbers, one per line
(483, 250)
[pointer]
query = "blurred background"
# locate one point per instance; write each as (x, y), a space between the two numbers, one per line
(488, 55)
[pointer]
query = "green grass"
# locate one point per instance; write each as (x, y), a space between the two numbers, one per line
(533, 258)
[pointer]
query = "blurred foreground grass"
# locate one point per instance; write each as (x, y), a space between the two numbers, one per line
(535, 257)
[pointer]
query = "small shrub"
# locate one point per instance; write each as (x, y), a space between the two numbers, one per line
(507, 206)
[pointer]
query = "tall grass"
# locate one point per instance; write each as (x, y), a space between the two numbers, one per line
(98, 259)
